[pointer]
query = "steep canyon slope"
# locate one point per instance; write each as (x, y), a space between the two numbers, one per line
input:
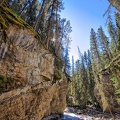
(107, 87)
(31, 87)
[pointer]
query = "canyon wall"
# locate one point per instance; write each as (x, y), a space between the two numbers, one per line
(30, 85)
(107, 87)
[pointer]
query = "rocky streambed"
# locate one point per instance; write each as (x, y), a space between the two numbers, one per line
(90, 113)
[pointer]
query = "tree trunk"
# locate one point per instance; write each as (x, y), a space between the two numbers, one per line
(115, 3)
(36, 27)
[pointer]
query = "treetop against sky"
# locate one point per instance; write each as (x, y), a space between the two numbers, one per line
(84, 15)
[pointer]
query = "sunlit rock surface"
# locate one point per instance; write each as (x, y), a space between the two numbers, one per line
(28, 90)
(107, 88)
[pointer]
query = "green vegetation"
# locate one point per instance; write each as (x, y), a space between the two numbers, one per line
(103, 59)
(8, 83)
(118, 100)
(57, 74)
(11, 16)
(2, 21)
(3, 79)
(8, 16)
(94, 69)
(44, 20)
(117, 92)
(112, 63)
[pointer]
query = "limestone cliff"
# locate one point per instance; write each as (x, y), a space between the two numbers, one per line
(30, 85)
(107, 89)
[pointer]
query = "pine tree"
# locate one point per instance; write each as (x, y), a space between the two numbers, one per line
(40, 17)
(9, 2)
(48, 21)
(90, 79)
(31, 12)
(67, 61)
(113, 35)
(85, 78)
(117, 18)
(24, 4)
(15, 6)
(59, 44)
(95, 53)
(104, 44)
(73, 74)
(82, 80)
(66, 45)
(77, 83)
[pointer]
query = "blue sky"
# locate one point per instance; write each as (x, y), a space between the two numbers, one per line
(84, 15)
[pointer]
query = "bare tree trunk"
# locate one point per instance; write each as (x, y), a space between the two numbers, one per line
(115, 3)
(50, 22)
(57, 35)
(2, 2)
(22, 11)
(36, 27)
(49, 29)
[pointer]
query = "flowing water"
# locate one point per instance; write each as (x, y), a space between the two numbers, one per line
(70, 116)
(88, 114)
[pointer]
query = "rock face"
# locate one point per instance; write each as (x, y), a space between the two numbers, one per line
(107, 89)
(28, 88)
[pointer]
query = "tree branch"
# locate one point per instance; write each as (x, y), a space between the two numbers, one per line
(108, 9)
(2, 2)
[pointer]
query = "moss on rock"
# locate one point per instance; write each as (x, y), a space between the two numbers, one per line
(2, 22)
(8, 16)
(57, 75)
(3, 79)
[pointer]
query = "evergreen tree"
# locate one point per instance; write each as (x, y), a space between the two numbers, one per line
(66, 45)
(95, 53)
(59, 43)
(113, 35)
(104, 44)
(90, 79)
(67, 61)
(9, 2)
(63, 36)
(117, 18)
(16, 6)
(77, 83)
(81, 81)
(73, 75)
(41, 16)
(31, 12)
(84, 79)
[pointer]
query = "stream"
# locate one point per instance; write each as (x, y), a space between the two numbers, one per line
(71, 116)
(90, 113)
